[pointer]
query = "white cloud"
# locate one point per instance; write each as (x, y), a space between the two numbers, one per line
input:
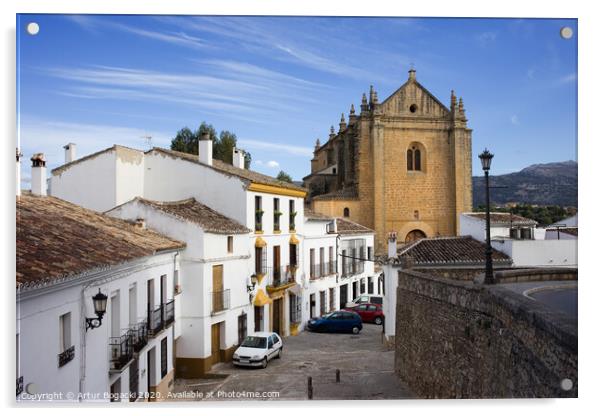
(272, 164)
(514, 119)
(486, 38)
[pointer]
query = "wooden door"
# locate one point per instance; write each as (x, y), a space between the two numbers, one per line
(276, 264)
(218, 288)
(277, 316)
(215, 337)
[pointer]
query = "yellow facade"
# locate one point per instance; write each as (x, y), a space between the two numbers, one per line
(373, 177)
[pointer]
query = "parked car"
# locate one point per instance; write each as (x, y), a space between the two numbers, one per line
(375, 299)
(257, 349)
(339, 321)
(369, 312)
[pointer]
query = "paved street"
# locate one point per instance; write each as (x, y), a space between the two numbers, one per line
(366, 371)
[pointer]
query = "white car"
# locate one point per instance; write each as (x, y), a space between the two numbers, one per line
(376, 299)
(257, 349)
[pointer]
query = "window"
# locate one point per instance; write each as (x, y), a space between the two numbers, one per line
(413, 108)
(369, 253)
(331, 260)
(322, 269)
(242, 327)
(230, 244)
(322, 302)
(331, 299)
(344, 260)
(277, 214)
(295, 308)
(65, 331)
(346, 212)
(260, 260)
(291, 215)
(312, 305)
(414, 159)
(258, 214)
(312, 263)
(133, 304)
(292, 254)
(163, 357)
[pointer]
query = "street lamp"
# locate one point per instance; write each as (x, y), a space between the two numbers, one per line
(486, 157)
(100, 307)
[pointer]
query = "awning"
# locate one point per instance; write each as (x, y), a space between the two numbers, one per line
(261, 298)
(295, 290)
(294, 239)
(260, 242)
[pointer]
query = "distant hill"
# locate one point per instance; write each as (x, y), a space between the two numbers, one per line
(542, 184)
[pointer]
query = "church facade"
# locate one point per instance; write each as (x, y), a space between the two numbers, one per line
(403, 165)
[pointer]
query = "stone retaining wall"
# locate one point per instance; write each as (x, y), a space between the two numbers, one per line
(460, 340)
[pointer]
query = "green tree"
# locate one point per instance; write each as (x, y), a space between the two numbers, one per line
(188, 142)
(284, 177)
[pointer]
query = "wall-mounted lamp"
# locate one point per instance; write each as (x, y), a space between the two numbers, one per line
(251, 287)
(100, 307)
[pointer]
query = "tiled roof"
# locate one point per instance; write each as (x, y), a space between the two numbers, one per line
(228, 169)
(340, 194)
(195, 212)
(350, 227)
(57, 239)
(451, 251)
(312, 215)
(569, 230)
(115, 147)
(502, 218)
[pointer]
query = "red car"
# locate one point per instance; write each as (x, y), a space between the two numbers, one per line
(369, 312)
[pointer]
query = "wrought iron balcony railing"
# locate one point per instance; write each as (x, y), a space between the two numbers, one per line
(155, 321)
(169, 313)
(19, 385)
(139, 335)
(121, 351)
(66, 355)
(280, 276)
(220, 301)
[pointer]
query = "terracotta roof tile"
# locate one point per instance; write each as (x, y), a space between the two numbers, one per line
(56, 239)
(195, 212)
(350, 227)
(503, 218)
(312, 215)
(340, 194)
(462, 250)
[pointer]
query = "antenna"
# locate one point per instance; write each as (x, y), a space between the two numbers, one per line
(148, 139)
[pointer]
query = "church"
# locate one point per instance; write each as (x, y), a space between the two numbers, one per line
(402, 165)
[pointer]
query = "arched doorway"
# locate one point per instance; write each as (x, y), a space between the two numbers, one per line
(415, 235)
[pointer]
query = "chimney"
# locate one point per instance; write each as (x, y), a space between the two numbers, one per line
(38, 174)
(69, 152)
(392, 248)
(238, 158)
(206, 149)
(18, 175)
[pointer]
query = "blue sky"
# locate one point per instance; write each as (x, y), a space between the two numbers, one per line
(279, 83)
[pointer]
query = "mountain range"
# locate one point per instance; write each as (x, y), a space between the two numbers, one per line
(542, 184)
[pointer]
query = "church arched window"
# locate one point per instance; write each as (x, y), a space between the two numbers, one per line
(345, 212)
(415, 158)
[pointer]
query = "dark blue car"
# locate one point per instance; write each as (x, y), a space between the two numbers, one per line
(339, 321)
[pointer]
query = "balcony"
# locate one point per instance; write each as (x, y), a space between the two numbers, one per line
(168, 313)
(139, 335)
(66, 356)
(121, 352)
(279, 277)
(322, 269)
(220, 301)
(19, 385)
(352, 267)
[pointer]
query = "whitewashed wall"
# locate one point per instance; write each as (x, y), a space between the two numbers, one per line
(539, 253)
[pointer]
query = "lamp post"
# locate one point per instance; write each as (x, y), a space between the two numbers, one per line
(486, 157)
(100, 307)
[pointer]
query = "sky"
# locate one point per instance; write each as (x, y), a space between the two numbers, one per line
(279, 83)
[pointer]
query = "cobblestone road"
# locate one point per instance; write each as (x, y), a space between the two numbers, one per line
(366, 371)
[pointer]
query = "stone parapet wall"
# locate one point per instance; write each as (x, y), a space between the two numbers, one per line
(460, 340)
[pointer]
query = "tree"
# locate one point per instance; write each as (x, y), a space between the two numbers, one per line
(188, 142)
(284, 177)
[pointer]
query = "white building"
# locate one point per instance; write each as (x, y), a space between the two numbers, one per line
(566, 229)
(65, 256)
(214, 309)
(271, 208)
(519, 238)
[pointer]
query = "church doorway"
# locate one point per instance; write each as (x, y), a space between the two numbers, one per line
(414, 235)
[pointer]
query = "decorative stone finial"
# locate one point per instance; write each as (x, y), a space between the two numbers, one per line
(412, 73)
(317, 144)
(352, 110)
(453, 99)
(364, 106)
(342, 124)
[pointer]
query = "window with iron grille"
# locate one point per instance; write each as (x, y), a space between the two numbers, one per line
(295, 308)
(163, 357)
(258, 214)
(261, 260)
(331, 299)
(242, 327)
(370, 253)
